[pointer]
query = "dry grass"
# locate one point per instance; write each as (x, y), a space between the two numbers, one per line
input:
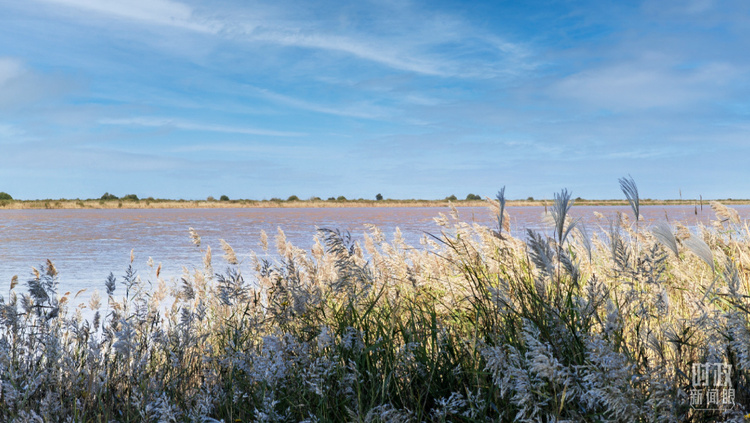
(473, 325)
(203, 204)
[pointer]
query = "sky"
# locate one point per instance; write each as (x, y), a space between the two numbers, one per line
(190, 99)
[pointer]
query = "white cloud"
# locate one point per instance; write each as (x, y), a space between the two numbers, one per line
(419, 49)
(390, 56)
(646, 153)
(422, 100)
(414, 47)
(365, 111)
(9, 69)
(647, 84)
(22, 86)
(264, 149)
(698, 6)
(190, 126)
(160, 12)
(8, 132)
(687, 7)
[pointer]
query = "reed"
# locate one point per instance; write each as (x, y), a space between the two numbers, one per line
(472, 325)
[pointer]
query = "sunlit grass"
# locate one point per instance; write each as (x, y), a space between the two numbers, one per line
(597, 324)
(150, 203)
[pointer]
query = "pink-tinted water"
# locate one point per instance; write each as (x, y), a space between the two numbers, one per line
(86, 245)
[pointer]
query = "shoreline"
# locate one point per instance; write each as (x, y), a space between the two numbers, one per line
(204, 204)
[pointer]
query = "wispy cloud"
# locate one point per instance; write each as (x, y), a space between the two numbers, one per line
(647, 153)
(281, 151)
(191, 126)
(9, 132)
(414, 48)
(648, 83)
(389, 56)
(434, 46)
(20, 85)
(492, 90)
(159, 12)
(365, 111)
(10, 68)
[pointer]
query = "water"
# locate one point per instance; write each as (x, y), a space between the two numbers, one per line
(86, 245)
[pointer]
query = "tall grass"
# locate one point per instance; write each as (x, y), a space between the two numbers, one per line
(473, 325)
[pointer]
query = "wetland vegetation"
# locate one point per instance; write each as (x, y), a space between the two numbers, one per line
(474, 324)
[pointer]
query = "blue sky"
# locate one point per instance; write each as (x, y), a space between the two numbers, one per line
(186, 99)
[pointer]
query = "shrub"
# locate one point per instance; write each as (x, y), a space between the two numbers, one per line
(107, 197)
(379, 197)
(223, 198)
(130, 197)
(451, 198)
(5, 196)
(340, 198)
(473, 197)
(292, 198)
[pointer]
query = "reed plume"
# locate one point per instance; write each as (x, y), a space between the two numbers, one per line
(474, 324)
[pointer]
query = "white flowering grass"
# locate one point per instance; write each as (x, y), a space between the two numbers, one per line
(474, 325)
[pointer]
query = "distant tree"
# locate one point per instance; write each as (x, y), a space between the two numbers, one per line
(275, 199)
(473, 197)
(379, 197)
(313, 198)
(223, 198)
(451, 198)
(210, 198)
(530, 199)
(5, 196)
(130, 197)
(340, 198)
(292, 198)
(107, 196)
(331, 199)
